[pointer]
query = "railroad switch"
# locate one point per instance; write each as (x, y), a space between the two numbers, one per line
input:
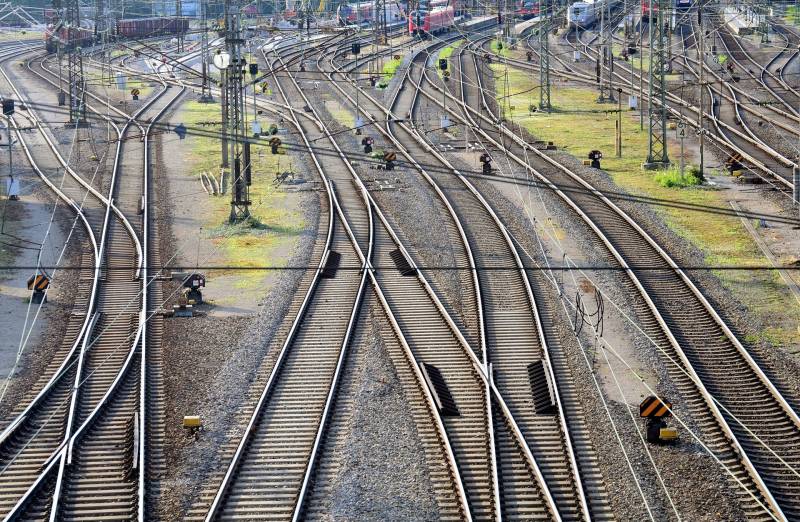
(38, 284)
(655, 410)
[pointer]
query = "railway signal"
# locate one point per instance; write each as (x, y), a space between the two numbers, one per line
(367, 143)
(180, 130)
(595, 156)
(486, 160)
(389, 158)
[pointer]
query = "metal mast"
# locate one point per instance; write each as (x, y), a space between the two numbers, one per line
(75, 79)
(233, 109)
(178, 16)
(544, 56)
(380, 22)
(657, 156)
(205, 92)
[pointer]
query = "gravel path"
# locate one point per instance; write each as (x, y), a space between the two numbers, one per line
(382, 474)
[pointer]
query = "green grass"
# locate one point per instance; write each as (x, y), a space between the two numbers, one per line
(672, 177)
(22, 35)
(95, 77)
(792, 15)
(389, 70)
(276, 223)
(579, 124)
(500, 48)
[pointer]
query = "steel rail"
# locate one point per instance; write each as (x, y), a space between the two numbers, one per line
(576, 477)
(583, 505)
(480, 368)
(723, 141)
(707, 397)
(67, 445)
(455, 476)
(66, 456)
(146, 232)
(250, 428)
(582, 502)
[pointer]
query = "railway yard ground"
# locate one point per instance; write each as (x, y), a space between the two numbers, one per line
(377, 276)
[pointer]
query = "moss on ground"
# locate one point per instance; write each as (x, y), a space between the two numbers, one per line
(580, 124)
(277, 222)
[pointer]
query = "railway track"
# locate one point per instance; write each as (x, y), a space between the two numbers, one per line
(707, 361)
(101, 390)
(352, 278)
(726, 137)
(505, 323)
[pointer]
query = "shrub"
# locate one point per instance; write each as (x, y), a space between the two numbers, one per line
(672, 178)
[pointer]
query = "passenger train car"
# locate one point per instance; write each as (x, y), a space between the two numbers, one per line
(587, 12)
(680, 5)
(364, 13)
(527, 9)
(430, 18)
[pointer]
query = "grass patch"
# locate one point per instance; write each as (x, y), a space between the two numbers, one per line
(672, 178)
(500, 48)
(95, 77)
(389, 70)
(20, 35)
(792, 15)
(579, 124)
(276, 222)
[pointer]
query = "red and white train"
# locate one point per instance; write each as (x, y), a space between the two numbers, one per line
(526, 9)
(364, 13)
(438, 18)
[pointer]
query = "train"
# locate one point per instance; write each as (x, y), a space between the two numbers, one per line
(526, 9)
(155, 26)
(125, 28)
(69, 37)
(437, 16)
(364, 13)
(587, 12)
(680, 5)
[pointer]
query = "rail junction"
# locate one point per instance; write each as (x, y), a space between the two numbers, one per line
(420, 260)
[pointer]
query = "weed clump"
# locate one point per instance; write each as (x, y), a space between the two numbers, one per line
(672, 178)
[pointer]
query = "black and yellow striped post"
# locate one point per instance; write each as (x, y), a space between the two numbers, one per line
(655, 410)
(653, 407)
(38, 284)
